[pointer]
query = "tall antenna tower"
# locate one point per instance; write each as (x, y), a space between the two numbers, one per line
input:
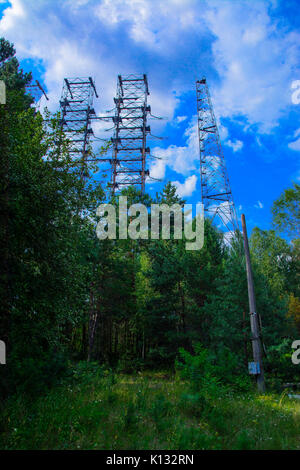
(128, 164)
(76, 107)
(215, 188)
(37, 92)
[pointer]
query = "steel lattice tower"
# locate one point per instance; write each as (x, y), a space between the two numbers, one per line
(215, 188)
(76, 107)
(36, 91)
(128, 164)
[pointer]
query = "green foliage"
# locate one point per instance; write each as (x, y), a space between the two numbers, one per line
(35, 375)
(243, 441)
(272, 257)
(85, 372)
(193, 404)
(210, 374)
(231, 371)
(14, 78)
(45, 239)
(194, 368)
(161, 409)
(204, 385)
(278, 364)
(129, 417)
(286, 212)
(7, 50)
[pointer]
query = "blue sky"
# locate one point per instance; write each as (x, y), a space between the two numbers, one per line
(248, 50)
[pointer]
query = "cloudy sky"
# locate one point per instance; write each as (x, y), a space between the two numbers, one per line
(249, 52)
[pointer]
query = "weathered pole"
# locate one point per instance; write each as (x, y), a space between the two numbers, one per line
(5, 306)
(256, 340)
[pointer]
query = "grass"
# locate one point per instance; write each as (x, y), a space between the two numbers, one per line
(114, 412)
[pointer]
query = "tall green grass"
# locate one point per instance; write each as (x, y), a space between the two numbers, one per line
(100, 410)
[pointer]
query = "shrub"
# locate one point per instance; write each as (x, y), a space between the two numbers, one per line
(35, 375)
(86, 372)
(198, 370)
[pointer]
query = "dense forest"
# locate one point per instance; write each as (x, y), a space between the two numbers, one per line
(129, 306)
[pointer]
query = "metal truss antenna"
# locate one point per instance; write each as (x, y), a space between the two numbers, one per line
(76, 107)
(128, 164)
(215, 188)
(37, 91)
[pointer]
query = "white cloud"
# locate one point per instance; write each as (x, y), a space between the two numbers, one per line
(67, 40)
(180, 159)
(186, 188)
(154, 24)
(223, 131)
(295, 145)
(113, 12)
(48, 41)
(183, 160)
(12, 15)
(259, 205)
(180, 119)
(256, 59)
(158, 170)
(163, 105)
(236, 145)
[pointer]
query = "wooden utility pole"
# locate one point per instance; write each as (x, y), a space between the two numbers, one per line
(256, 340)
(5, 287)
